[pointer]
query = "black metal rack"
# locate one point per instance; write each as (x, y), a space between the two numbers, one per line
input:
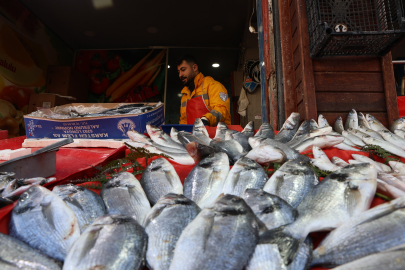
(354, 27)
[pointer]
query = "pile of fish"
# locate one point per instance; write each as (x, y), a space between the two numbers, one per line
(263, 147)
(11, 188)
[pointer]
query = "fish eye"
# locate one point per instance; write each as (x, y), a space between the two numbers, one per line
(236, 200)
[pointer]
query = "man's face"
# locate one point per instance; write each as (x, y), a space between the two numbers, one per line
(187, 73)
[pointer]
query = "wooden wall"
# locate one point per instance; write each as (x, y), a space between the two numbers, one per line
(331, 86)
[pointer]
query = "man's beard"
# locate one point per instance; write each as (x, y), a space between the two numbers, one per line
(189, 81)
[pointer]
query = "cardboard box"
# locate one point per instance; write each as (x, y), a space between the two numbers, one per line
(66, 81)
(46, 101)
(107, 127)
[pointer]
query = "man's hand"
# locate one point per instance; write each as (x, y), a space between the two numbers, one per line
(205, 121)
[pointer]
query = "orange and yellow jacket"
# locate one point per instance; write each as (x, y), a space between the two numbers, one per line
(218, 104)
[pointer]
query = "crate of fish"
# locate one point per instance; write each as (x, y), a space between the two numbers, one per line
(354, 27)
(93, 121)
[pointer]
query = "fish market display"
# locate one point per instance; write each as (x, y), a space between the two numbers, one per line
(164, 225)
(160, 178)
(289, 128)
(375, 230)
(270, 209)
(205, 181)
(15, 254)
(43, 221)
(245, 173)
(249, 130)
(322, 161)
(292, 181)
(111, 242)
(123, 195)
(86, 204)
(200, 131)
(160, 137)
(230, 147)
(240, 138)
(222, 236)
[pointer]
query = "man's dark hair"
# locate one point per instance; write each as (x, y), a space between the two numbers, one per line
(188, 58)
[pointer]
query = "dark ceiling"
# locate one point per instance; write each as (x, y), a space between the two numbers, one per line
(179, 23)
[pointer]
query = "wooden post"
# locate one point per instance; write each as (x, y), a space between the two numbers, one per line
(389, 88)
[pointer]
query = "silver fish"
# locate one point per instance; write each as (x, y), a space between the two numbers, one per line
(303, 130)
(228, 226)
(10, 187)
(249, 129)
(339, 162)
(398, 124)
(325, 165)
(43, 221)
(199, 151)
(292, 181)
(346, 147)
(160, 178)
(322, 141)
(391, 180)
(265, 154)
(313, 133)
(392, 138)
(111, 242)
(232, 148)
(159, 137)
(370, 132)
(265, 131)
(359, 134)
(246, 173)
(140, 138)
(397, 166)
(270, 209)
(353, 138)
(322, 122)
(266, 257)
(385, 145)
(164, 225)
(200, 131)
(18, 255)
(220, 131)
(313, 125)
(289, 128)
(240, 138)
(15, 194)
(205, 181)
(338, 126)
(123, 195)
(30, 181)
(290, 153)
(380, 166)
(352, 120)
(374, 123)
(370, 232)
(186, 138)
(400, 133)
(363, 121)
(86, 204)
(173, 134)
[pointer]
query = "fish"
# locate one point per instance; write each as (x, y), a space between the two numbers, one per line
(391, 180)
(363, 121)
(240, 138)
(140, 138)
(181, 158)
(43, 221)
(205, 181)
(370, 132)
(255, 141)
(265, 131)
(111, 242)
(397, 166)
(367, 233)
(249, 130)
(391, 191)
(380, 166)
(398, 124)
(338, 197)
(173, 134)
(200, 131)
(392, 138)
(15, 194)
(29, 181)
(374, 123)
(346, 147)
(322, 141)
(5, 178)
(313, 125)
(5, 202)
(15, 254)
(392, 258)
(353, 138)
(303, 130)
(265, 154)
(385, 145)
(352, 120)
(289, 152)
(400, 133)
(86, 204)
(359, 134)
(230, 147)
(303, 257)
(11, 186)
(199, 151)
(322, 161)
(289, 128)
(228, 226)
(160, 178)
(160, 137)
(322, 122)
(292, 181)
(164, 224)
(186, 138)
(313, 133)
(339, 162)
(123, 195)
(245, 173)
(270, 209)
(220, 131)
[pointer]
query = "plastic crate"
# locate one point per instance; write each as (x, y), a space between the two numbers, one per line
(354, 27)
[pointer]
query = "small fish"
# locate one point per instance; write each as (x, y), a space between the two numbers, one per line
(140, 138)
(359, 134)
(374, 123)
(240, 138)
(265, 131)
(353, 138)
(205, 181)
(160, 178)
(313, 125)
(220, 132)
(338, 126)
(346, 147)
(385, 145)
(111, 242)
(230, 147)
(245, 173)
(86, 204)
(380, 166)
(290, 153)
(43, 221)
(352, 120)
(322, 141)
(391, 191)
(289, 128)
(370, 132)
(199, 151)
(391, 180)
(30, 181)
(339, 162)
(397, 166)
(301, 132)
(324, 165)
(159, 137)
(363, 121)
(200, 131)
(265, 154)
(314, 133)
(173, 134)
(186, 138)
(400, 133)
(292, 181)
(11, 186)
(398, 124)
(5, 178)
(249, 130)
(164, 225)
(322, 122)
(123, 195)
(392, 138)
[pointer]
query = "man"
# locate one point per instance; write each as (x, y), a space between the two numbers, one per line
(203, 97)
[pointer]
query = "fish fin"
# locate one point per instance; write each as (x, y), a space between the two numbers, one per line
(91, 239)
(352, 197)
(74, 202)
(279, 183)
(153, 214)
(47, 211)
